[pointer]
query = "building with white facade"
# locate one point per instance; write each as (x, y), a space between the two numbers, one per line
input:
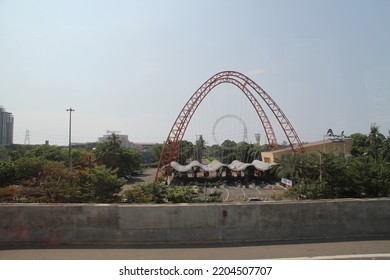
(123, 139)
(6, 127)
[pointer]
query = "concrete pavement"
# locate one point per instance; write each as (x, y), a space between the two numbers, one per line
(368, 249)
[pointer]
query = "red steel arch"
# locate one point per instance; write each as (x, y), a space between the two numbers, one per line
(172, 145)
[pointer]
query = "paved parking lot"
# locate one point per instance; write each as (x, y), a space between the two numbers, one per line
(253, 193)
(237, 193)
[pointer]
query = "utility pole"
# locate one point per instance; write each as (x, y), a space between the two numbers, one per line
(70, 110)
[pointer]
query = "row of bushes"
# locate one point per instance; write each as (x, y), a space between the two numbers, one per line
(138, 193)
(40, 180)
(160, 193)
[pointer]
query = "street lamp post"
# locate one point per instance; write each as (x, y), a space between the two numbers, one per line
(70, 110)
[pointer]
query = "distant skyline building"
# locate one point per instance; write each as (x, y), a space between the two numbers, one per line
(6, 127)
(123, 139)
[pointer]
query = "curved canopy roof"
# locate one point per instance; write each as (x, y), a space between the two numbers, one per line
(215, 165)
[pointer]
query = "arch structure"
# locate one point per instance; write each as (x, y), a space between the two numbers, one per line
(172, 144)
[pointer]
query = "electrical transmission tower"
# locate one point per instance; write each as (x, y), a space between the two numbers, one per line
(27, 137)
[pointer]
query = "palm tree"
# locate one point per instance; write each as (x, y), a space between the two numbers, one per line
(108, 152)
(113, 142)
(374, 139)
(111, 154)
(291, 166)
(300, 167)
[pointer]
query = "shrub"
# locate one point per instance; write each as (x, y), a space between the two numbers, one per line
(145, 193)
(17, 193)
(158, 193)
(7, 173)
(28, 168)
(54, 181)
(215, 197)
(308, 191)
(104, 184)
(181, 194)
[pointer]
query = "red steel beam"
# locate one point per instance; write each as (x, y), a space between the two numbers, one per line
(172, 144)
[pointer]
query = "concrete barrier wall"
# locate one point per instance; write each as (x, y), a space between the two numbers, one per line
(193, 223)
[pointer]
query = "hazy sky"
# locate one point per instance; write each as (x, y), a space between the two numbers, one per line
(130, 66)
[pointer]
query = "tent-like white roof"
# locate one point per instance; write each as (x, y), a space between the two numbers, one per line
(215, 165)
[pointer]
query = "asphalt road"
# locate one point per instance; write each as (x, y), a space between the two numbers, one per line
(367, 250)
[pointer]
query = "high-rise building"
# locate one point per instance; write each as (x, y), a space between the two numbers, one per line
(6, 127)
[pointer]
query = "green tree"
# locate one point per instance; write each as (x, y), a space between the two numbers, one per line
(335, 176)
(186, 151)
(146, 193)
(54, 181)
(7, 173)
(129, 160)
(229, 151)
(360, 144)
(158, 193)
(181, 194)
(292, 166)
(385, 150)
(82, 158)
(215, 151)
(369, 177)
(255, 152)
(16, 151)
(375, 139)
(54, 153)
(104, 184)
(156, 151)
(29, 168)
(4, 153)
(107, 152)
(200, 147)
(243, 149)
(111, 154)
